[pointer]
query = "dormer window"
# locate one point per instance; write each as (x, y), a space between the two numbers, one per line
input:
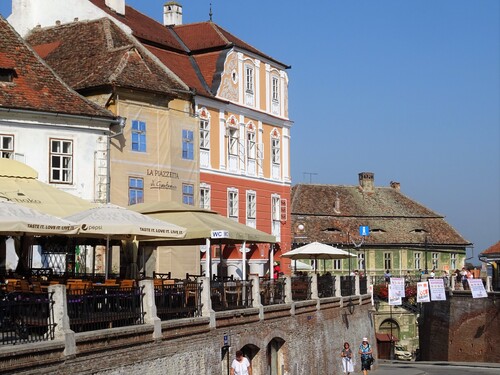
(7, 75)
(332, 230)
(418, 230)
(377, 230)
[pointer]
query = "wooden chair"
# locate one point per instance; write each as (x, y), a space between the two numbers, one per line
(232, 290)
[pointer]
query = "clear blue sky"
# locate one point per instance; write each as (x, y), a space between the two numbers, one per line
(409, 90)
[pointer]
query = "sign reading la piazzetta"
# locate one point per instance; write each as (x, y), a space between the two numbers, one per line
(162, 179)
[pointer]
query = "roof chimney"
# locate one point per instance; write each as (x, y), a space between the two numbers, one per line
(172, 14)
(366, 182)
(395, 185)
(117, 5)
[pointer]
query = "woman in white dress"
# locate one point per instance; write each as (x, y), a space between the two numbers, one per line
(347, 359)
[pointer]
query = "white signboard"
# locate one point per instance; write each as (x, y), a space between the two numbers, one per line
(398, 286)
(477, 288)
(394, 296)
(218, 234)
(437, 289)
(423, 292)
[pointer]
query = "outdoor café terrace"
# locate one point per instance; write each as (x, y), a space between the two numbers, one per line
(34, 309)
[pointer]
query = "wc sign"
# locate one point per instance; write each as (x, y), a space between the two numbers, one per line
(364, 230)
(218, 234)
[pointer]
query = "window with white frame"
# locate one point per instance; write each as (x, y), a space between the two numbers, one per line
(138, 136)
(249, 78)
(187, 144)
(135, 190)
(205, 197)
(276, 208)
(188, 194)
(251, 145)
(6, 146)
(387, 261)
(232, 203)
(417, 257)
(61, 160)
(233, 141)
(204, 134)
(275, 150)
(337, 264)
(275, 87)
(435, 260)
(251, 205)
(453, 261)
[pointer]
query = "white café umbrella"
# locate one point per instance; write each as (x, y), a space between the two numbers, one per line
(316, 250)
(15, 218)
(111, 221)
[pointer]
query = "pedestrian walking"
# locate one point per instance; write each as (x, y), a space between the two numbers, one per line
(366, 356)
(241, 365)
(347, 359)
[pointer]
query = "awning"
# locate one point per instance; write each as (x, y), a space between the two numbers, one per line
(200, 224)
(19, 184)
(385, 337)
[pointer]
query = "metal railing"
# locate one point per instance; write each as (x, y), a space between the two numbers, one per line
(178, 300)
(26, 317)
(301, 288)
(326, 286)
(104, 307)
(347, 285)
(231, 294)
(272, 291)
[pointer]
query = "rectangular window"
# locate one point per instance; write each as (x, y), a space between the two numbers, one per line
(435, 260)
(61, 161)
(251, 145)
(232, 203)
(276, 208)
(204, 135)
(387, 261)
(6, 146)
(233, 141)
(249, 79)
(188, 194)
(138, 136)
(251, 205)
(453, 261)
(275, 89)
(135, 190)
(275, 151)
(337, 264)
(205, 197)
(187, 144)
(417, 257)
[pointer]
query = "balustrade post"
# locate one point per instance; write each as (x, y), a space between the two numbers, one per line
(314, 286)
(338, 286)
(288, 289)
(206, 300)
(62, 330)
(489, 287)
(357, 290)
(149, 305)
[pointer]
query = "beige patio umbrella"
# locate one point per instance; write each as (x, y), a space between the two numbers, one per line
(19, 184)
(111, 221)
(17, 219)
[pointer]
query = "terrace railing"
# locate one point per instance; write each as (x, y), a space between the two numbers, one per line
(301, 288)
(178, 300)
(326, 286)
(227, 294)
(26, 317)
(272, 291)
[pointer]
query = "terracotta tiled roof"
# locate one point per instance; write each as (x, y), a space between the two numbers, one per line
(35, 86)
(495, 249)
(98, 53)
(393, 218)
(204, 42)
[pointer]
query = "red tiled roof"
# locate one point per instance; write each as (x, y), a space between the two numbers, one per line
(205, 41)
(98, 53)
(35, 86)
(494, 249)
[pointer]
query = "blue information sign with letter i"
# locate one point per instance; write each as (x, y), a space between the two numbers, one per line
(364, 230)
